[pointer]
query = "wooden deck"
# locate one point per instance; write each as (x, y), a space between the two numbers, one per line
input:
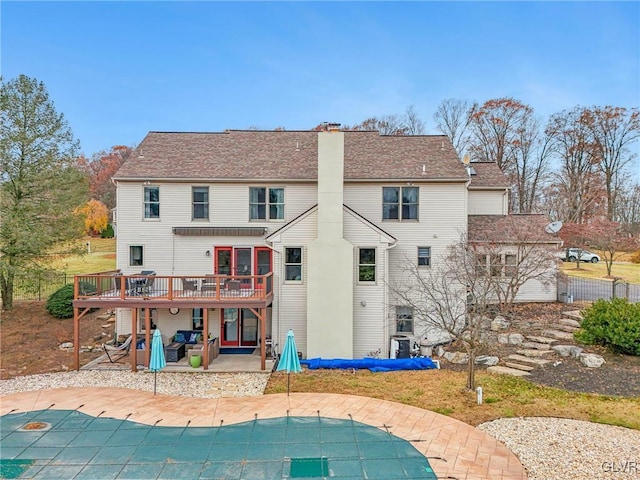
(113, 290)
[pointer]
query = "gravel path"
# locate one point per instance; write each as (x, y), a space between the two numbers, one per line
(549, 448)
(557, 448)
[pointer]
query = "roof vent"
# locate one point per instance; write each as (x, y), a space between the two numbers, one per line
(331, 127)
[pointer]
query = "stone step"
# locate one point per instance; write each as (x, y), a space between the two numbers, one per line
(536, 345)
(542, 339)
(518, 366)
(564, 328)
(508, 371)
(522, 358)
(557, 334)
(569, 322)
(574, 314)
(533, 353)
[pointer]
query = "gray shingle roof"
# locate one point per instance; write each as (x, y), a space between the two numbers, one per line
(509, 228)
(488, 174)
(288, 155)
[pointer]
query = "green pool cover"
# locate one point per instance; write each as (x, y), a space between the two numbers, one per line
(67, 444)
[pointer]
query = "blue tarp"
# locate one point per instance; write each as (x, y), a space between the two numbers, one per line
(373, 364)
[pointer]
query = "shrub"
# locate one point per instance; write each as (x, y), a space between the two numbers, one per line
(614, 324)
(635, 257)
(108, 232)
(60, 303)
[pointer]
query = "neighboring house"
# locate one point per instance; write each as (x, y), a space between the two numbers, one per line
(313, 226)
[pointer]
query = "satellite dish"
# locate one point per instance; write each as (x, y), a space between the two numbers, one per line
(466, 159)
(553, 227)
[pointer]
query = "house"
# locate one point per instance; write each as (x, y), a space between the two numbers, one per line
(301, 230)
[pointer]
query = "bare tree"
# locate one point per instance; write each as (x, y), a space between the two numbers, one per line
(613, 129)
(496, 126)
(414, 124)
(578, 185)
(532, 153)
(627, 210)
(447, 300)
(452, 119)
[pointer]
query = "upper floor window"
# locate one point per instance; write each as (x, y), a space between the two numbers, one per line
(136, 255)
(366, 264)
(151, 202)
(293, 264)
(424, 256)
(266, 203)
(400, 203)
(200, 200)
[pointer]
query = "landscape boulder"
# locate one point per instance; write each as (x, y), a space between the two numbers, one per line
(567, 350)
(591, 360)
(456, 357)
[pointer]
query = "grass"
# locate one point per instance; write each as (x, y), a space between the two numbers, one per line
(442, 391)
(102, 257)
(630, 272)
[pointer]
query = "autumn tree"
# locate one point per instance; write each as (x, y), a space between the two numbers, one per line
(100, 168)
(40, 186)
(627, 211)
(452, 118)
(95, 215)
(578, 186)
(613, 130)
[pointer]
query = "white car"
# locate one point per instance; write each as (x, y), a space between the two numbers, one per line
(585, 255)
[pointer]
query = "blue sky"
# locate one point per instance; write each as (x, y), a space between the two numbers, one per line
(120, 69)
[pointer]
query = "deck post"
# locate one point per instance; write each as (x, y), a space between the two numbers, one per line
(133, 349)
(147, 336)
(76, 338)
(205, 340)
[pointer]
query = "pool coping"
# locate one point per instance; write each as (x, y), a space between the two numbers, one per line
(453, 448)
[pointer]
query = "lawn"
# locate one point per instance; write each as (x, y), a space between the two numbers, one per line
(102, 257)
(628, 271)
(442, 391)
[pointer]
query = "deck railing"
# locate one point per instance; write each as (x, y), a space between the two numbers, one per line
(115, 285)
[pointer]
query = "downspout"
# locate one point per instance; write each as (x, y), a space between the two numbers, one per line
(385, 332)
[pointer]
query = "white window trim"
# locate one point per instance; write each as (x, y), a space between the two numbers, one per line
(284, 265)
(430, 256)
(193, 203)
(129, 258)
(358, 265)
(400, 203)
(267, 205)
(413, 321)
(144, 205)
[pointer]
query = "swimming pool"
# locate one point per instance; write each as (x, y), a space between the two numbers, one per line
(67, 444)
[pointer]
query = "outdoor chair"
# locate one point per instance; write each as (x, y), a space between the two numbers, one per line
(116, 352)
(209, 283)
(147, 286)
(189, 285)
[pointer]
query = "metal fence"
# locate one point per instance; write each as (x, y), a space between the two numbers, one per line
(38, 286)
(573, 289)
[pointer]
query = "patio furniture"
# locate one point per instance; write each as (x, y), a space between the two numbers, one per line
(116, 352)
(209, 283)
(198, 349)
(189, 285)
(174, 351)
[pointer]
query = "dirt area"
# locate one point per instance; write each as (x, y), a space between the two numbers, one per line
(30, 342)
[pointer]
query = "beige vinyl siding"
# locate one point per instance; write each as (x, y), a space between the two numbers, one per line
(290, 299)
(488, 202)
(369, 328)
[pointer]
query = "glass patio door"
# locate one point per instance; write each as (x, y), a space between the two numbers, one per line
(263, 265)
(243, 265)
(229, 327)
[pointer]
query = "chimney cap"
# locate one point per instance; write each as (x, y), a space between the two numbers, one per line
(331, 127)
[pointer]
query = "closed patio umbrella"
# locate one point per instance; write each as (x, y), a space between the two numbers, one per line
(157, 361)
(289, 360)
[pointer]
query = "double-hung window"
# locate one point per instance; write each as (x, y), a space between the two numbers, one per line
(400, 203)
(404, 319)
(151, 202)
(510, 265)
(366, 264)
(424, 256)
(200, 202)
(266, 203)
(293, 264)
(136, 255)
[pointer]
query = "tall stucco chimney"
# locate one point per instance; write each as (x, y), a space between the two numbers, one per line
(330, 259)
